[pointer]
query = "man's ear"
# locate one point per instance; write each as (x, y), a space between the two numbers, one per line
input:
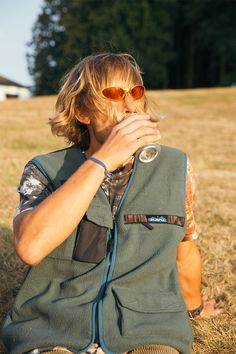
(83, 119)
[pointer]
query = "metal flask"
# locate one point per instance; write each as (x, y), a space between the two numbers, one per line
(148, 152)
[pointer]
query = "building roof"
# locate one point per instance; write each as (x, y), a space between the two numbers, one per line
(6, 82)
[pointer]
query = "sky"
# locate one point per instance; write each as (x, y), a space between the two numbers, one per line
(16, 21)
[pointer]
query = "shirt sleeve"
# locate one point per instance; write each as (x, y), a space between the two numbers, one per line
(33, 189)
(191, 227)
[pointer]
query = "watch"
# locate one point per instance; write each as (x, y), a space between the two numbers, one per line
(196, 312)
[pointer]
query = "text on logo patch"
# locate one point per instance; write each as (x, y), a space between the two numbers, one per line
(157, 218)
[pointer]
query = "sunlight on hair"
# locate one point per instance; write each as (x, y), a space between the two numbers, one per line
(80, 95)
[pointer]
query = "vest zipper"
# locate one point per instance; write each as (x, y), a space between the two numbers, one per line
(110, 263)
(103, 285)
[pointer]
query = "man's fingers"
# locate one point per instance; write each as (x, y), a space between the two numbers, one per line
(144, 131)
(137, 127)
(210, 302)
(150, 139)
(209, 310)
(130, 118)
(214, 312)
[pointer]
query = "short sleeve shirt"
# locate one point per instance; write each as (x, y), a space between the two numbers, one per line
(34, 188)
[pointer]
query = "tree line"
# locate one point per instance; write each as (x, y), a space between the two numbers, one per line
(177, 43)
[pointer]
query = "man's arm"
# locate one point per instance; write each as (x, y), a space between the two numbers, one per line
(190, 267)
(38, 231)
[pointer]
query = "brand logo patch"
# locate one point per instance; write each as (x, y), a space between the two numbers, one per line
(157, 218)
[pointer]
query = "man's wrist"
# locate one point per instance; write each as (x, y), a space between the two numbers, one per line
(102, 164)
(105, 160)
(195, 312)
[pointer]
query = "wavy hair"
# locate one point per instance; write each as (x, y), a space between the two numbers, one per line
(79, 93)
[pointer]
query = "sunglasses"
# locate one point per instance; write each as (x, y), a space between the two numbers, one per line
(118, 93)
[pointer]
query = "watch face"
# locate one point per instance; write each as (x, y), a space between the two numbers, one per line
(196, 312)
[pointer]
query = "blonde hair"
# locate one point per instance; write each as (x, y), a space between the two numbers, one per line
(79, 93)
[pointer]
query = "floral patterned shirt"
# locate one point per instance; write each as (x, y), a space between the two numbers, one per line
(34, 188)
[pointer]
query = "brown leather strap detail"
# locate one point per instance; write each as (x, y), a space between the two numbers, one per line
(135, 218)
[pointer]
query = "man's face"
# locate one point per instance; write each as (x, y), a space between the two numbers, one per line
(101, 124)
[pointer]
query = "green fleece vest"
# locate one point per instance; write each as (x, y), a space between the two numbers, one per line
(129, 295)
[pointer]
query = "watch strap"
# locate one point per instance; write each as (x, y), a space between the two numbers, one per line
(196, 312)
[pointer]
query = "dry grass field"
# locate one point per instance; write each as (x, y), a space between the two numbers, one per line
(200, 122)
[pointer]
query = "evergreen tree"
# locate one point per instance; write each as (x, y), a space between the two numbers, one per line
(45, 62)
(205, 37)
(216, 41)
(178, 43)
(142, 28)
(69, 30)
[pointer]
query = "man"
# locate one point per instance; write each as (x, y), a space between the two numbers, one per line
(110, 239)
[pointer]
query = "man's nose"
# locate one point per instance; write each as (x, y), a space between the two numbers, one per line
(129, 104)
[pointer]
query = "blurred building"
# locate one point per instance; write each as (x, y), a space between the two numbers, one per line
(10, 89)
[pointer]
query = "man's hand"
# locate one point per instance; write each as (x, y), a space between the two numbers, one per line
(209, 309)
(126, 137)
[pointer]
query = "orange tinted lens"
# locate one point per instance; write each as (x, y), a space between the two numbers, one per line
(113, 93)
(137, 92)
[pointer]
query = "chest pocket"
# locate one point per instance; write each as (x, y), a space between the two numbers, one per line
(148, 219)
(91, 242)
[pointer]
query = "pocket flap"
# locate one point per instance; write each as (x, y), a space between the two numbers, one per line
(148, 302)
(99, 210)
